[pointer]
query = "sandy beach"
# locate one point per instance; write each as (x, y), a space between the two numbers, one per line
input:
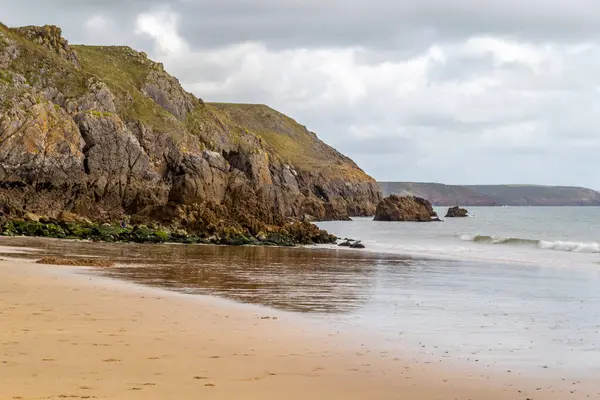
(75, 335)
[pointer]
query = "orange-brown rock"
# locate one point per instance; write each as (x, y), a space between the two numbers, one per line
(405, 208)
(457, 212)
(105, 133)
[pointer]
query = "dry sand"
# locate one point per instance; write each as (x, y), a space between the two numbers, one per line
(72, 335)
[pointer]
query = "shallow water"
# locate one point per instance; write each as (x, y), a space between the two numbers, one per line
(524, 318)
(564, 237)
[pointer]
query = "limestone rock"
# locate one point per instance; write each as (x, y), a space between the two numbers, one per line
(114, 160)
(38, 142)
(8, 51)
(98, 98)
(166, 92)
(457, 212)
(50, 36)
(107, 134)
(405, 208)
(357, 245)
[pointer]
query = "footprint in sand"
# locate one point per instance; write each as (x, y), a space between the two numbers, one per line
(209, 385)
(201, 377)
(111, 360)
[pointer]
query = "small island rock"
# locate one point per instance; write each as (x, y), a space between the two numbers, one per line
(357, 245)
(457, 212)
(405, 208)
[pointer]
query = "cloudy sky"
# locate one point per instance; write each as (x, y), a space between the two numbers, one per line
(461, 91)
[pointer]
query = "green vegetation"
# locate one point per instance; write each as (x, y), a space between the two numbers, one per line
(168, 181)
(289, 235)
(99, 114)
(119, 67)
(45, 68)
(287, 139)
(5, 76)
(125, 71)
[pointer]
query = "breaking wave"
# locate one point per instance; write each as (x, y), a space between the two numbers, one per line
(577, 247)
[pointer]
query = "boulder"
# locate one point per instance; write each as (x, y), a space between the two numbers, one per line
(357, 245)
(405, 208)
(353, 244)
(457, 212)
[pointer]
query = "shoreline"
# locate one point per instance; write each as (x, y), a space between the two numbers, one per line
(453, 248)
(114, 339)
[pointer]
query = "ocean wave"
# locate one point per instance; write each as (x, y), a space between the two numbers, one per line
(577, 247)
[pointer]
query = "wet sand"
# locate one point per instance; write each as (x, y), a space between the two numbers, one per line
(72, 335)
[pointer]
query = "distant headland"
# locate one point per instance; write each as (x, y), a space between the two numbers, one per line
(494, 195)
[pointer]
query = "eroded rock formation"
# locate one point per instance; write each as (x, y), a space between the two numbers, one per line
(405, 208)
(107, 134)
(457, 212)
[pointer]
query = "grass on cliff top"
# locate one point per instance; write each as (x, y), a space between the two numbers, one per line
(118, 66)
(282, 135)
(125, 70)
(291, 141)
(259, 117)
(38, 63)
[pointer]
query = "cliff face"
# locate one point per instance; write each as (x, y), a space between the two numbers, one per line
(106, 133)
(491, 195)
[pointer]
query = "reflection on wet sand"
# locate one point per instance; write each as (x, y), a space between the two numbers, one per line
(291, 279)
(521, 318)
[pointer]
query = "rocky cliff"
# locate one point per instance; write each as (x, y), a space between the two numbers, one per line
(106, 133)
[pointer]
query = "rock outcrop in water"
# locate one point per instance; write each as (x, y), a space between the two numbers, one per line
(405, 208)
(107, 134)
(457, 212)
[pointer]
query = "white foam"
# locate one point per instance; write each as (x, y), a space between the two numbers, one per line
(475, 242)
(577, 247)
(468, 238)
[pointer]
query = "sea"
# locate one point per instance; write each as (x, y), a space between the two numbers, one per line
(561, 237)
(512, 289)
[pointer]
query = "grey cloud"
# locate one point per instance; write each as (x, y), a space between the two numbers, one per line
(382, 23)
(525, 111)
(372, 23)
